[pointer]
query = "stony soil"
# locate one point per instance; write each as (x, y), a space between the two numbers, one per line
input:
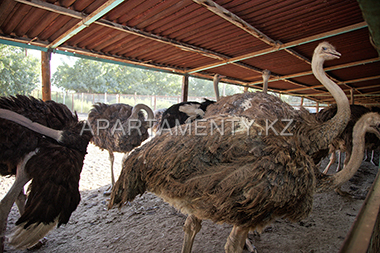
(150, 225)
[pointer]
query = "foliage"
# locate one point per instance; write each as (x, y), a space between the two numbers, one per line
(96, 77)
(19, 74)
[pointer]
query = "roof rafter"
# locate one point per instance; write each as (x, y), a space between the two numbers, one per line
(86, 21)
(283, 46)
(103, 22)
(239, 22)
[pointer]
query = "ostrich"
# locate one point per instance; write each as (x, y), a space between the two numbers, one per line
(157, 119)
(181, 113)
(119, 128)
(343, 142)
(266, 76)
(234, 169)
(186, 112)
(56, 136)
(216, 80)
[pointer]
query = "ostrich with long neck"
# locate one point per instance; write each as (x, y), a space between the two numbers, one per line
(228, 168)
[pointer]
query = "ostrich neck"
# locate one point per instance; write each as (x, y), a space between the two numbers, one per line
(265, 84)
(332, 128)
(216, 89)
(358, 146)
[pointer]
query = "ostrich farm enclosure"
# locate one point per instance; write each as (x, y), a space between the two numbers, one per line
(148, 224)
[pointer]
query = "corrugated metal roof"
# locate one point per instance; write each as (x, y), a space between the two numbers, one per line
(235, 38)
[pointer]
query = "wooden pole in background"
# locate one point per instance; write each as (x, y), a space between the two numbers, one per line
(45, 70)
(185, 88)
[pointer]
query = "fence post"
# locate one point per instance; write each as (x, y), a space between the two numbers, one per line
(135, 98)
(81, 106)
(105, 97)
(72, 102)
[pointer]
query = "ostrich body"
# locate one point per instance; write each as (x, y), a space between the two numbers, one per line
(242, 175)
(343, 142)
(184, 112)
(187, 112)
(55, 135)
(119, 128)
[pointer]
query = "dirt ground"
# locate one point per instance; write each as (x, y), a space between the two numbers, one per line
(150, 225)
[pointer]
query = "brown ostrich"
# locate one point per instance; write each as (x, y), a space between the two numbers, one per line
(119, 128)
(233, 169)
(343, 142)
(56, 136)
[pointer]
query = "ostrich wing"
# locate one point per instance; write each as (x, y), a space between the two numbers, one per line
(54, 193)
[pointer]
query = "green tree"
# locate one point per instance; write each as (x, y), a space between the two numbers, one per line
(19, 74)
(97, 77)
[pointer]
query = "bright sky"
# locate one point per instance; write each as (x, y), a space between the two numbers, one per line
(56, 59)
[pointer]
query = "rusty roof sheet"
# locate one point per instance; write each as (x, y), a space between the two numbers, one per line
(235, 38)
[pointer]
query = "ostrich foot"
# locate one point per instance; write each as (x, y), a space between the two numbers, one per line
(343, 193)
(108, 191)
(251, 248)
(38, 245)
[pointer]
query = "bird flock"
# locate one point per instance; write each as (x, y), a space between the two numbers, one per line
(244, 160)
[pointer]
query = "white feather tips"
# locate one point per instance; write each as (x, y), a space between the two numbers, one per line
(27, 238)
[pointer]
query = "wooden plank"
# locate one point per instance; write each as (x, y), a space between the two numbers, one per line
(185, 88)
(45, 74)
(359, 237)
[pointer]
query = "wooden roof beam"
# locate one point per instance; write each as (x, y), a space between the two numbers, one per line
(309, 39)
(106, 23)
(339, 83)
(239, 22)
(95, 15)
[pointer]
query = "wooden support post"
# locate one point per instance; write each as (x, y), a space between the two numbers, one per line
(352, 96)
(301, 102)
(245, 89)
(45, 73)
(185, 88)
(317, 108)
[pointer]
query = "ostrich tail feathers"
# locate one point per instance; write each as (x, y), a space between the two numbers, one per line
(131, 181)
(23, 238)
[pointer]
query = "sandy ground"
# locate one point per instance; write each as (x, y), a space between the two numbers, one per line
(150, 225)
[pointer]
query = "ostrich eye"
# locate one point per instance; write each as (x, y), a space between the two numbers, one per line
(324, 48)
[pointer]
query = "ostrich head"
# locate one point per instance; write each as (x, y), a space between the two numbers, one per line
(326, 51)
(371, 124)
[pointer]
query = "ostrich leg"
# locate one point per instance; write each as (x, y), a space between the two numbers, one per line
(236, 240)
(372, 154)
(20, 202)
(191, 228)
(332, 160)
(111, 158)
(13, 194)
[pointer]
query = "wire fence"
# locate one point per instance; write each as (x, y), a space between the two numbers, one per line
(82, 102)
